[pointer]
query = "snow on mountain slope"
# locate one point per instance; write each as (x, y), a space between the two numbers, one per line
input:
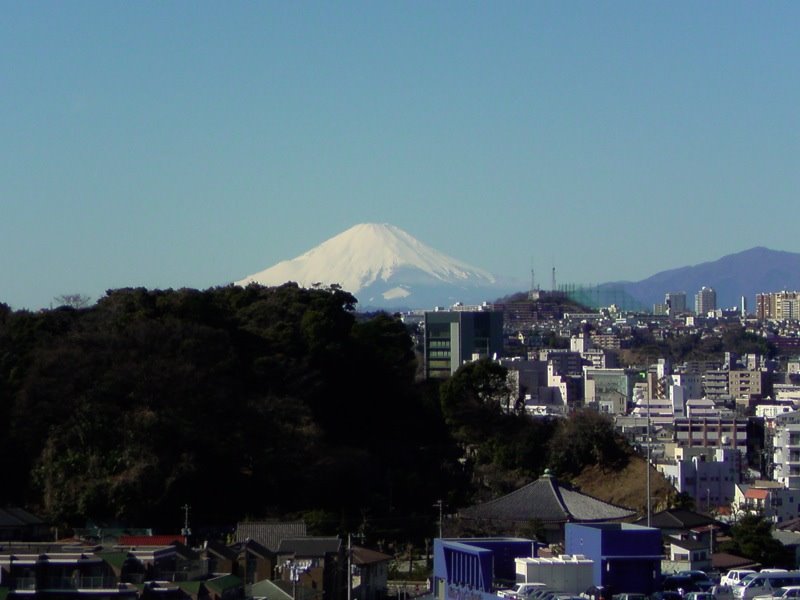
(370, 255)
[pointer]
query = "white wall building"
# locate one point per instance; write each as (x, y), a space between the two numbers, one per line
(786, 449)
(707, 475)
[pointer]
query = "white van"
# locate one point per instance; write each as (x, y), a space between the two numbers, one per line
(735, 576)
(761, 584)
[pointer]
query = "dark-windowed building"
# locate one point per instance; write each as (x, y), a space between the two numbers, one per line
(455, 337)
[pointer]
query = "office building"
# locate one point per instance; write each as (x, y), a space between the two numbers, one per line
(453, 338)
(675, 303)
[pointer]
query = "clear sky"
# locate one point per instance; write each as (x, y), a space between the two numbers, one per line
(188, 144)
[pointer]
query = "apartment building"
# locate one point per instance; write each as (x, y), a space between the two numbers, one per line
(778, 306)
(705, 301)
(708, 475)
(721, 431)
(786, 449)
(611, 390)
(716, 384)
(749, 384)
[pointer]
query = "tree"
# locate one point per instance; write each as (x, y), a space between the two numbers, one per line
(751, 537)
(682, 501)
(473, 397)
(586, 438)
(73, 300)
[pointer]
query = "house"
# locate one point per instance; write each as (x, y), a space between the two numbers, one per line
(768, 498)
(678, 523)
(369, 574)
(545, 501)
(219, 559)
(315, 564)
(269, 534)
(75, 574)
(254, 562)
(17, 524)
(224, 587)
(687, 555)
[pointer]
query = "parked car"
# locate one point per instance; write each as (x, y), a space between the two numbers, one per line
(763, 584)
(700, 578)
(734, 576)
(722, 592)
(666, 595)
(521, 589)
(629, 597)
(700, 596)
(683, 584)
(598, 592)
(790, 592)
(538, 593)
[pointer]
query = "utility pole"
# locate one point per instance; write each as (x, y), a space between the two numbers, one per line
(647, 464)
(349, 567)
(440, 505)
(186, 532)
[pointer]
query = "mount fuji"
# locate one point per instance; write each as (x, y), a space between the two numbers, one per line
(385, 267)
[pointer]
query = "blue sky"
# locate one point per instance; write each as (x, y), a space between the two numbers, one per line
(188, 144)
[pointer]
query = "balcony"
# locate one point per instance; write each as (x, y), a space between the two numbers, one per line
(24, 583)
(98, 582)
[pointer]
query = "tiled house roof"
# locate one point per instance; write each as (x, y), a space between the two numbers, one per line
(310, 547)
(13, 516)
(252, 546)
(223, 583)
(365, 556)
(150, 540)
(269, 533)
(675, 518)
(220, 550)
(547, 501)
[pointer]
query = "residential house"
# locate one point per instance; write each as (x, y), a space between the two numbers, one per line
(17, 524)
(269, 534)
(316, 564)
(767, 498)
(369, 574)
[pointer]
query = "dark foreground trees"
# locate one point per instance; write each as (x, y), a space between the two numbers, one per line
(236, 400)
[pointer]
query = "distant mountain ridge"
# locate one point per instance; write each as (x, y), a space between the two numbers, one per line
(747, 273)
(384, 266)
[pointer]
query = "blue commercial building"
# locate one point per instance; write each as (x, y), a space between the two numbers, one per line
(626, 557)
(468, 569)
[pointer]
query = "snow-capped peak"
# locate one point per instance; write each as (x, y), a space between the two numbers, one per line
(371, 253)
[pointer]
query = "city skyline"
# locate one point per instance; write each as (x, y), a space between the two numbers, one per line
(187, 145)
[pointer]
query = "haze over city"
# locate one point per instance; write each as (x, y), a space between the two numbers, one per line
(191, 144)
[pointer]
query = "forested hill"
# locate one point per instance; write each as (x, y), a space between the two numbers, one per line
(248, 402)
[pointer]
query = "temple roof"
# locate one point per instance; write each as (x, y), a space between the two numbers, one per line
(548, 501)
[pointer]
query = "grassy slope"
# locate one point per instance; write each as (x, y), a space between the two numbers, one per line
(627, 487)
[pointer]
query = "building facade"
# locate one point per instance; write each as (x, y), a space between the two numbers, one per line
(453, 338)
(705, 301)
